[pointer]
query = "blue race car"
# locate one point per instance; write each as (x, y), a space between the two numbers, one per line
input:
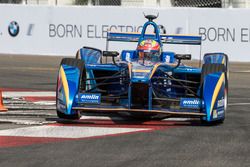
(144, 83)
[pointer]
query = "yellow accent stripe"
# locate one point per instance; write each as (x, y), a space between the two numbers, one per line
(153, 43)
(136, 70)
(223, 60)
(65, 84)
(154, 69)
(216, 91)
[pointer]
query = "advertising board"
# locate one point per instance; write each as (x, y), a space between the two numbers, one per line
(49, 30)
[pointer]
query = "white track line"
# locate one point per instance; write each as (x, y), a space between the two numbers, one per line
(26, 122)
(84, 117)
(66, 131)
(244, 71)
(238, 104)
(45, 102)
(178, 119)
(28, 94)
(240, 98)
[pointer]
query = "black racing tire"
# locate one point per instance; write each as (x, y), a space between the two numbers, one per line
(225, 104)
(78, 56)
(78, 53)
(73, 62)
(80, 65)
(71, 117)
(213, 68)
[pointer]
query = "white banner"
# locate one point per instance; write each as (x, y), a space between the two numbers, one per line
(49, 30)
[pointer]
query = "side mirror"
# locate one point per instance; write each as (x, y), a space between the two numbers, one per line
(183, 56)
(110, 53)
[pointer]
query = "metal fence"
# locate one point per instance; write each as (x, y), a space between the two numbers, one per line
(140, 3)
(11, 1)
(197, 3)
(99, 2)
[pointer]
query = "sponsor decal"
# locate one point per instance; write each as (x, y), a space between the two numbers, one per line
(190, 69)
(13, 28)
(224, 34)
(179, 30)
(221, 112)
(139, 75)
(168, 90)
(162, 29)
(65, 31)
(128, 57)
(30, 29)
(68, 30)
(215, 115)
(90, 98)
(61, 106)
(167, 59)
(190, 103)
(220, 103)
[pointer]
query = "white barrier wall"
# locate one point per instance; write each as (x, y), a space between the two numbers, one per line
(47, 30)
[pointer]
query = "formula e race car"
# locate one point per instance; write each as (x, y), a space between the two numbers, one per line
(145, 83)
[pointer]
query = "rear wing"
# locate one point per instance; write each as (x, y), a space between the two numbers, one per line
(168, 39)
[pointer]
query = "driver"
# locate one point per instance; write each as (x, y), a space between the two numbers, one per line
(149, 50)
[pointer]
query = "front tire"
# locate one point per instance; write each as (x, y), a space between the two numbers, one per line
(80, 65)
(213, 68)
(71, 117)
(225, 105)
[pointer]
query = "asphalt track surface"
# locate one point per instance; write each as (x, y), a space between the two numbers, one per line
(175, 143)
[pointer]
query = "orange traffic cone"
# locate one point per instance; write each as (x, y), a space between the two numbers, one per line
(2, 108)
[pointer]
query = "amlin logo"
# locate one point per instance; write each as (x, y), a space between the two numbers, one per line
(190, 103)
(90, 98)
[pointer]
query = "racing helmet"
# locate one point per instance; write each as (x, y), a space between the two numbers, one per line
(149, 50)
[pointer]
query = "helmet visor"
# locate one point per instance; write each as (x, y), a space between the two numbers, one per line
(151, 55)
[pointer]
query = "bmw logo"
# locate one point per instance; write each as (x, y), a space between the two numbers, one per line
(13, 28)
(162, 29)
